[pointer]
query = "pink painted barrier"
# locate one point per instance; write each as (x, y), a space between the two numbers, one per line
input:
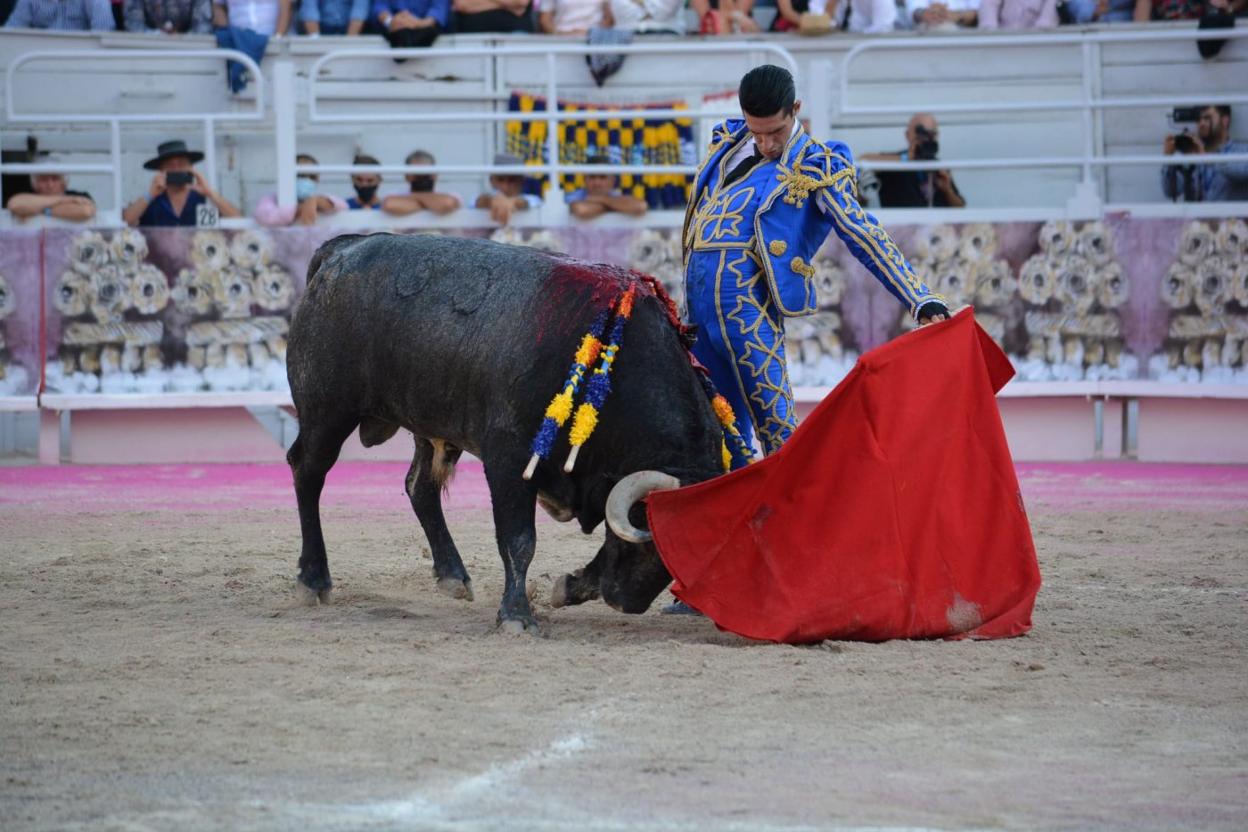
(74, 489)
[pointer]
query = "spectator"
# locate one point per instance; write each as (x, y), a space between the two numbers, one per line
(917, 189)
(309, 205)
(1146, 10)
(602, 194)
(649, 15)
(1101, 11)
(365, 184)
(507, 195)
(790, 13)
(936, 16)
(474, 16)
(247, 25)
(52, 198)
(422, 197)
(1206, 183)
(169, 16)
(333, 17)
(177, 190)
(269, 18)
(574, 17)
(65, 15)
(411, 23)
(867, 16)
(724, 17)
(1018, 14)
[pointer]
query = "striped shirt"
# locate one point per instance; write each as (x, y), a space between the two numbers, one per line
(69, 15)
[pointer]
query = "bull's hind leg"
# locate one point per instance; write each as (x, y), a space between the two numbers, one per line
(432, 465)
(311, 456)
(514, 502)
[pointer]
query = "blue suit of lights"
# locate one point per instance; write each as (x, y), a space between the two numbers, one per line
(749, 248)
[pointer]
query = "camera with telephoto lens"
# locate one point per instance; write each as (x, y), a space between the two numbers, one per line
(174, 178)
(928, 147)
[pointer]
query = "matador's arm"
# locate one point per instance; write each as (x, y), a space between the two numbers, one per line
(866, 238)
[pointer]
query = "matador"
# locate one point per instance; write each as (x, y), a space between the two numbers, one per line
(763, 202)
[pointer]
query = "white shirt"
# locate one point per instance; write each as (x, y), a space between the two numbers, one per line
(913, 6)
(256, 15)
(869, 16)
(649, 15)
(574, 15)
(747, 148)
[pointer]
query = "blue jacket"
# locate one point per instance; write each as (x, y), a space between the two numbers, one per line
(784, 209)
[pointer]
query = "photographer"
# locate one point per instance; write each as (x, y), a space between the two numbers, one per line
(177, 190)
(917, 189)
(1194, 182)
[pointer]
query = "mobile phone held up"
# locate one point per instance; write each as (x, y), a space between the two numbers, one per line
(178, 178)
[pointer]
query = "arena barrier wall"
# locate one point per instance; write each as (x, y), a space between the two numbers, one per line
(1107, 323)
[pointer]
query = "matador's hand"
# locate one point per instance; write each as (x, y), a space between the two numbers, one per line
(932, 312)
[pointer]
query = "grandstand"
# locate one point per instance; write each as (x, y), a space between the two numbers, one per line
(1061, 126)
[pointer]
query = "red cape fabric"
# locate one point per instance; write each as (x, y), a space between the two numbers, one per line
(892, 512)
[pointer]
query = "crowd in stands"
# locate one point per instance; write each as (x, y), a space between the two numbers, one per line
(407, 23)
(178, 194)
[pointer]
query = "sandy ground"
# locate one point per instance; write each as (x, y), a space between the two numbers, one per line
(155, 674)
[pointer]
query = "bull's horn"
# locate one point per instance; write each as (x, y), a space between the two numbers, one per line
(628, 491)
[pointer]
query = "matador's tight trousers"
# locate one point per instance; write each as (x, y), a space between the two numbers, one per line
(741, 341)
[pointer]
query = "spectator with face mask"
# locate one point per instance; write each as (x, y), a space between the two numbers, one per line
(917, 189)
(52, 198)
(309, 205)
(365, 184)
(422, 196)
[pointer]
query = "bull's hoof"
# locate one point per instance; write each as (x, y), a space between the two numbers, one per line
(310, 597)
(519, 627)
(455, 588)
(559, 594)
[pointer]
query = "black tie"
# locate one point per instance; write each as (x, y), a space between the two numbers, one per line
(743, 167)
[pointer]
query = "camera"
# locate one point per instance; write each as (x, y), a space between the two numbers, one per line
(928, 147)
(1183, 143)
(175, 178)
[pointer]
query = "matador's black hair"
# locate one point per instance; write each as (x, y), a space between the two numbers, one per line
(766, 90)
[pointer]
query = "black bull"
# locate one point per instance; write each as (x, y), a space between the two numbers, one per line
(463, 343)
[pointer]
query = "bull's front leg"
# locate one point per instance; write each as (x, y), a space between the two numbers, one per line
(514, 502)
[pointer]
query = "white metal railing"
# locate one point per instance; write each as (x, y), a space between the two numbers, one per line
(283, 95)
(208, 120)
(551, 115)
(1087, 104)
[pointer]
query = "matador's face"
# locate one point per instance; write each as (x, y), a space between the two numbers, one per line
(771, 133)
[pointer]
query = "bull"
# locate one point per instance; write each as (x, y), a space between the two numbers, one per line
(462, 342)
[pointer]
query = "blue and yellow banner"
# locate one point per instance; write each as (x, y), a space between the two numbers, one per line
(659, 141)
